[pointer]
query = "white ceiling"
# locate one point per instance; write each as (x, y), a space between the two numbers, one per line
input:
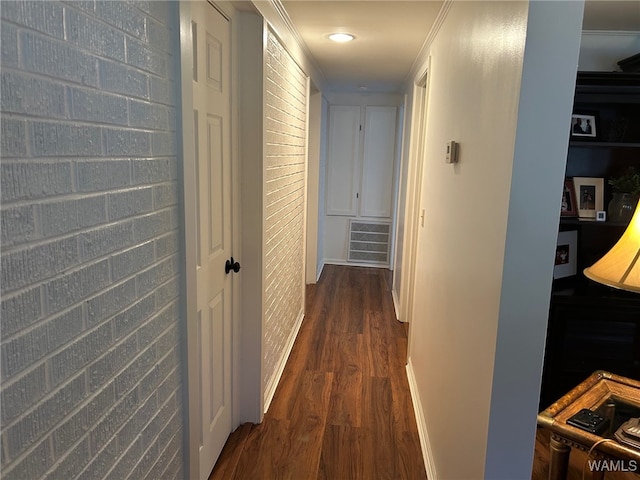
(389, 35)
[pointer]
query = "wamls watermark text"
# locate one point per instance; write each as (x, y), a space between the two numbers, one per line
(607, 465)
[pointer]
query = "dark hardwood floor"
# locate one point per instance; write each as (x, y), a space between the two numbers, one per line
(343, 408)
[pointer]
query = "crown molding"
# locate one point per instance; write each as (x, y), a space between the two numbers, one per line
(275, 14)
(417, 67)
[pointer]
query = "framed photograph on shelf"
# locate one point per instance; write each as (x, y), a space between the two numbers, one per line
(566, 252)
(569, 207)
(584, 126)
(589, 195)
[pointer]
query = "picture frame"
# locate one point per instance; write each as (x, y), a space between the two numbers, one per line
(568, 207)
(589, 196)
(584, 126)
(565, 264)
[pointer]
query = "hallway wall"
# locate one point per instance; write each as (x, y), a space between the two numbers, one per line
(91, 373)
(485, 254)
(285, 175)
(476, 63)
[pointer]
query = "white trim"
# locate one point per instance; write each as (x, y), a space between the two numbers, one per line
(236, 211)
(330, 261)
(274, 14)
(425, 445)
(251, 115)
(186, 156)
(413, 193)
(272, 385)
(396, 304)
(399, 151)
(284, 16)
(423, 53)
(314, 145)
(305, 213)
(401, 160)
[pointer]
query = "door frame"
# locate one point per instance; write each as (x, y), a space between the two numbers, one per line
(187, 152)
(413, 196)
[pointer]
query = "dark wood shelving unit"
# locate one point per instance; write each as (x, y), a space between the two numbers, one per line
(592, 326)
(586, 144)
(587, 221)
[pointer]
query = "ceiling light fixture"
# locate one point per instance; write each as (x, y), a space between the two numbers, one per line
(341, 37)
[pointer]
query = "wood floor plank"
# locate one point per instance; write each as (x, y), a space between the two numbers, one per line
(266, 453)
(374, 292)
(378, 344)
(353, 304)
(408, 449)
(377, 414)
(351, 352)
(292, 375)
(403, 413)
(320, 319)
(343, 453)
(397, 354)
(346, 398)
(316, 359)
(307, 424)
(230, 457)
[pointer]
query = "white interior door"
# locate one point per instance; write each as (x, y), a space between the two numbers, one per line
(211, 33)
(343, 160)
(379, 160)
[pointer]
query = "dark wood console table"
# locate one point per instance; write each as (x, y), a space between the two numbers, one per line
(610, 395)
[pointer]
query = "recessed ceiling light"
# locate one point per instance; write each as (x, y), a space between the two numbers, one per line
(341, 37)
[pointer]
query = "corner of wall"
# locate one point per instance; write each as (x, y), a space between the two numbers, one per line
(545, 104)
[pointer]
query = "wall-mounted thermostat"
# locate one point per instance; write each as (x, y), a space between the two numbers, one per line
(452, 152)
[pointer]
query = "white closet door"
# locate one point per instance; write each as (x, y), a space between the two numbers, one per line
(343, 163)
(379, 153)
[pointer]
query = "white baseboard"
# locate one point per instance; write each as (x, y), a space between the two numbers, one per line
(275, 379)
(425, 445)
(355, 264)
(396, 304)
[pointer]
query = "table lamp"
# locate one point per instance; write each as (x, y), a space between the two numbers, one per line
(620, 267)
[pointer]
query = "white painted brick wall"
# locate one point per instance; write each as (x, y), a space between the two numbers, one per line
(90, 377)
(285, 147)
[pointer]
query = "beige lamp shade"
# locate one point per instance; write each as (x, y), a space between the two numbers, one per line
(620, 267)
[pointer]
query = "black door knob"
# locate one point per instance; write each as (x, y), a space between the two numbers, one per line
(231, 265)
